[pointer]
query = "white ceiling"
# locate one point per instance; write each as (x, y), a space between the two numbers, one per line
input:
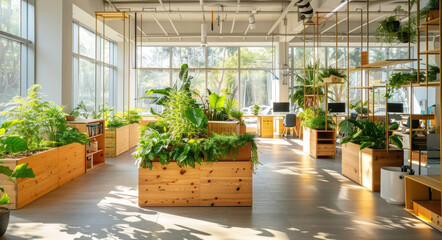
(180, 20)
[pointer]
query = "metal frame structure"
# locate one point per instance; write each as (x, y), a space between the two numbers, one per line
(125, 17)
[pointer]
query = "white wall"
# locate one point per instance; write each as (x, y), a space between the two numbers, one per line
(53, 49)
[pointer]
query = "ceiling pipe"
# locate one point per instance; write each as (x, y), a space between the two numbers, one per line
(170, 19)
(282, 16)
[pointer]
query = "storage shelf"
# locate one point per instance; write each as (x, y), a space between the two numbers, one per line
(422, 84)
(387, 62)
(431, 22)
(98, 135)
(431, 52)
(427, 180)
(93, 153)
(95, 166)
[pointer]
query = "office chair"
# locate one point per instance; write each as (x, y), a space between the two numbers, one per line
(289, 123)
(353, 116)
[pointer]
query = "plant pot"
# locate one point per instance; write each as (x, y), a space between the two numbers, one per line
(242, 129)
(403, 36)
(4, 220)
(70, 118)
(393, 185)
(433, 14)
(393, 26)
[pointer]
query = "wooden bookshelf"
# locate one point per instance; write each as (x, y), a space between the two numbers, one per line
(422, 198)
(98, 157)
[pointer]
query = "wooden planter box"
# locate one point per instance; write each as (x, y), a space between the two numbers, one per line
(133, 134)
(52, 169)
(117, 141)
(224, 127)
(364, 167)
(242, 129)
(71, 162)
(319, 143)
(223, 183)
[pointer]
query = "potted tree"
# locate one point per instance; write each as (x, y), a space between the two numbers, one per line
(364, 151)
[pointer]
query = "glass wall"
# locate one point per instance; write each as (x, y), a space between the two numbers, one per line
(242, 73)
(86, 67)
(327, 56)
(14, 42)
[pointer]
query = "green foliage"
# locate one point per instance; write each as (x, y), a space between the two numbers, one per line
(39, 124)
(385, 32)
(315, 119)
(332, 71)
(159, 146)
(237, 114)
(357, 107)
(398, 79)
(368, 134)
(116, 121)
(217, 111)
(133, 115)
(433, 70)
(20, 171)
(181, 131)
(256, 109)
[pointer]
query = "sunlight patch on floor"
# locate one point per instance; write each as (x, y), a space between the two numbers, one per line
(191, 228)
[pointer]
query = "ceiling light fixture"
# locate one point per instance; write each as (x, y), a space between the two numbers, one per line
(203, 35)
(285, 67)
(252, 24)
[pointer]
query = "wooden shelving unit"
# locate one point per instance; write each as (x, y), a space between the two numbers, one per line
(98, 157)
(422, 199)
(386, 63)
(431, 52)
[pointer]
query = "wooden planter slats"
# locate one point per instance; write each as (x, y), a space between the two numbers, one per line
(364, 166)
(133, 134)
(120, 140)
(224, 127)
(71, 162)
(52, 169)
(319, 143)
(223, 183)
(117, 141)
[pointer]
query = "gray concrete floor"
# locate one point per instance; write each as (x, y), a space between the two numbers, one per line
(295, 197)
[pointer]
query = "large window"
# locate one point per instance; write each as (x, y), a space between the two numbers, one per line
(88, 69)
(15, 74)
(242, 73)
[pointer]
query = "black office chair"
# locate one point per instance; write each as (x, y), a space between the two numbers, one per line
(414, 122)
(353, 116)
(289, 123)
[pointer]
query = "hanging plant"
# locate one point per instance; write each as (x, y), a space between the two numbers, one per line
(387, 28)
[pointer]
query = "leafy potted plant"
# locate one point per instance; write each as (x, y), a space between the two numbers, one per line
(318, 141)
(309, 78)
(431, 10)
(398, 79)
(20, 172)
(387, 29)
(364, 151)
(256, 109)
(200, 161)
(237, 114)
(332, 75)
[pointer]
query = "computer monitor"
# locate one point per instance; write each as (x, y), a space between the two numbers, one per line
(281, 107)
(395, 107)
(336, 107)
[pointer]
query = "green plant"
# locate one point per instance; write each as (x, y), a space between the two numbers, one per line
(20, 171)
(217, 111)
(80, 111)
(116, 121)
(357, 107)
(391, 29)
(256, 109)
(152, 145)
(310, 77)
(368, 134)
(133, 115)
(10, 144)
(398, 79)
(432, 73)
(332, 71)
(222, 145)
(384, 32)
(431, 5)
(315, 119)
(237, 114)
